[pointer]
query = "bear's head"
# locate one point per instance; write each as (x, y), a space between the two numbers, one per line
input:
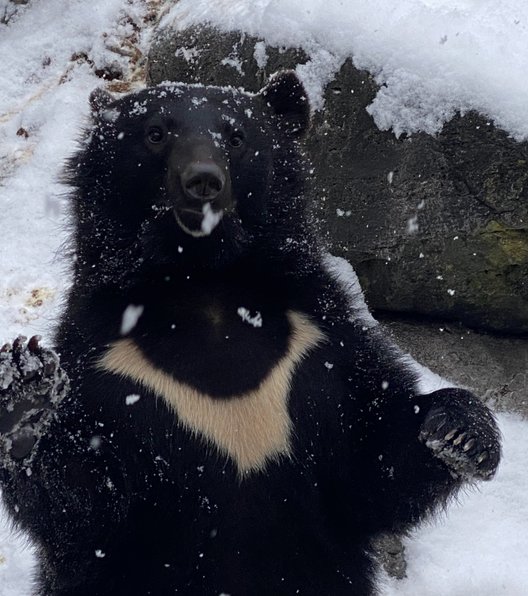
(191, 176)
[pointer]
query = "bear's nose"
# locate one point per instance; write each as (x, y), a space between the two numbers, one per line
(204, 181)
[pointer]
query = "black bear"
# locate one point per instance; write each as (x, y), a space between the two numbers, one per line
(229, 425)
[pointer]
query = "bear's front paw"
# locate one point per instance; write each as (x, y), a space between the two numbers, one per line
(467, 443)
(31, 384)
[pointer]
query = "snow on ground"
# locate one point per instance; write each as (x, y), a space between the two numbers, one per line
(16, 561)
(50, 51)
(431, 56)
(480, 548)
(463, 53)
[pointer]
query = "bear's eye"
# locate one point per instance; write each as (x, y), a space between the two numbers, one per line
(155, 135)
(236, 139)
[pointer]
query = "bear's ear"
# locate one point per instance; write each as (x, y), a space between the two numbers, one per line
(286, 95)
(99, 100)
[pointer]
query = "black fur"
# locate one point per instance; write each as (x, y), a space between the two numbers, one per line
(122, 499)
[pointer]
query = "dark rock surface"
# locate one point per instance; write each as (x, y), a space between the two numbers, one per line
(436, 226)
(494, 366)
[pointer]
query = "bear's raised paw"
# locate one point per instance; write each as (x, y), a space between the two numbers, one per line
(32, 383)
(469, 446)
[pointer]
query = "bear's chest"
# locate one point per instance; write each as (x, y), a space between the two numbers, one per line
(220, 347)
(251, 425)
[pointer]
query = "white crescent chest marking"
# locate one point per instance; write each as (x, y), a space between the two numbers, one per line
(253, 428)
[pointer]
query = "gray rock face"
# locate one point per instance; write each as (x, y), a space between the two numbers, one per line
(389, 551)
(435, 226)
(494, 367)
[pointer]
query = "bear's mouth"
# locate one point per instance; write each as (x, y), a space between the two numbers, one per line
(198, 223)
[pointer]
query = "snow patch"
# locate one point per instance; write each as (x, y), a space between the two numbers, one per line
(260, 54)
(211, 219)
(431, 58)
(95, 442)
(130, 318)
(233, 63)
(130, 400)
(190, 55)
(245, 315)
(412, 225)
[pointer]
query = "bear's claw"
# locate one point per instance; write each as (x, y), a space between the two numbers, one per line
(31, 385)
(469, 447)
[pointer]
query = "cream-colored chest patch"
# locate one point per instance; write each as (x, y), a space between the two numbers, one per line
(253, 428)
